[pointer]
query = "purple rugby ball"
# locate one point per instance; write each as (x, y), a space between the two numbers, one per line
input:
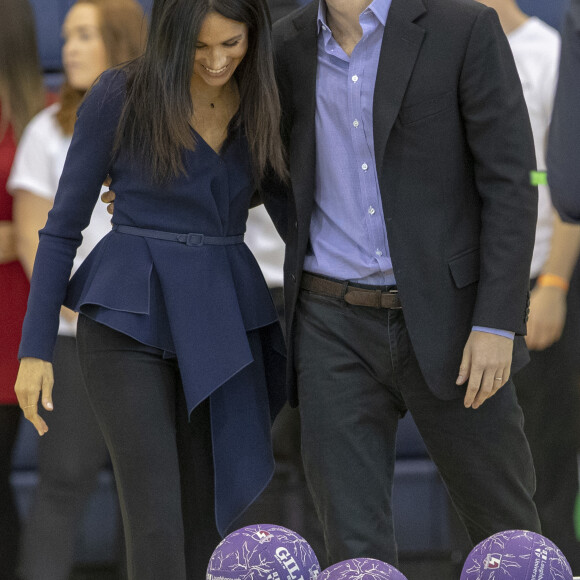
(263, 552)
(516, 555)
(361, 569)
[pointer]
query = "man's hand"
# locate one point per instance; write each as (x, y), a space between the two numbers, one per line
(34, 377)
(547, 316)
(109, 197)
(7, 243)
(487, 360)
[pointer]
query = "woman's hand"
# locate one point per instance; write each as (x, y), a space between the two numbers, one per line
(34, 377)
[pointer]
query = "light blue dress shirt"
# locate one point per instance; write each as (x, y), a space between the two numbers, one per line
(348, 234)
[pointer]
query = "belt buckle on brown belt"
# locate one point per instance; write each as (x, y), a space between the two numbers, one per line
(393, 295)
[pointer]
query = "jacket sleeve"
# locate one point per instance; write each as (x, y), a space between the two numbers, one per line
(564, 141)
(87, 165)
(499, 137)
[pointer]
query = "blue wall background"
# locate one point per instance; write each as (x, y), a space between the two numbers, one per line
(50, 15)
(552, 11)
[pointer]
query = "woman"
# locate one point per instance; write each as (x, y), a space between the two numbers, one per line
(176, 320)
(97, 34)
(21, 97)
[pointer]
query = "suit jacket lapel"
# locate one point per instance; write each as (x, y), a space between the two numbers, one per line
(401, 43)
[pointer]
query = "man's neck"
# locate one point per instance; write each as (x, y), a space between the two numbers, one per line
(343, 19)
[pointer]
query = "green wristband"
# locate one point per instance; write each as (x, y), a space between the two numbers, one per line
(538, 178)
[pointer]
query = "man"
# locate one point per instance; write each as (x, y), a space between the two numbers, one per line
(564, 143)
(410, 151)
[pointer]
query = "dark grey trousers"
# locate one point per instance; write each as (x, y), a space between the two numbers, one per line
(357, 375)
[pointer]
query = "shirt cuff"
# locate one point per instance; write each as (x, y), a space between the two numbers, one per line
(504, 333)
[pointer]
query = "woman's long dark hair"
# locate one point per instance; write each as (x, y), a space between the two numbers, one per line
(155, 122)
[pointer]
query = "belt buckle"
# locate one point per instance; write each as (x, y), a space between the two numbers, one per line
(394, 292)
(194, 240)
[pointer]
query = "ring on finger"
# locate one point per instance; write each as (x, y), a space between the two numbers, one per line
(498, 379)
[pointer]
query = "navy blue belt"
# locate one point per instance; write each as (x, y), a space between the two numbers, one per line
(187, 239)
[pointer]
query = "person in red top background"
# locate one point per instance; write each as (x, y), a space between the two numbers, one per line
(21, 97)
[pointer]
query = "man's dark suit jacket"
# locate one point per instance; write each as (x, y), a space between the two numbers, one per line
(454, 151)
(564, 145)
(280, 8)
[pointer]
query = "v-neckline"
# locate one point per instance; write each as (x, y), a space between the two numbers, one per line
(199, 138)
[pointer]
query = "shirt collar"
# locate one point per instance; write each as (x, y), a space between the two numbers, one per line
(380, 8)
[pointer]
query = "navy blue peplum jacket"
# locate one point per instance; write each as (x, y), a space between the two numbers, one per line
(194, 302)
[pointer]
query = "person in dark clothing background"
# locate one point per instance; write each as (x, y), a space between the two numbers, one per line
(564, 141)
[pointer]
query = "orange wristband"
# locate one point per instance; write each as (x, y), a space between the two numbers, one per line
(554, 281)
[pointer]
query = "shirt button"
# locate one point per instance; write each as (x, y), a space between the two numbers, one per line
(356, 123)
(379, 253)
(372, 210)
(364, 166)
(355, 78)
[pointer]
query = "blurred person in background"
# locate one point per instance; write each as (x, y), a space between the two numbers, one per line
(548, 388)
(21, 97)
(98, 34)
(564, 144)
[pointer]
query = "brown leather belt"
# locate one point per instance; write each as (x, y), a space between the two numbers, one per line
(351, 294)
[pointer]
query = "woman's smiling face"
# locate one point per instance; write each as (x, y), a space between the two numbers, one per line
(221, 46)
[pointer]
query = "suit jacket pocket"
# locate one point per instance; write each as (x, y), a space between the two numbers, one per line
(427, 108)
(465, 268)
